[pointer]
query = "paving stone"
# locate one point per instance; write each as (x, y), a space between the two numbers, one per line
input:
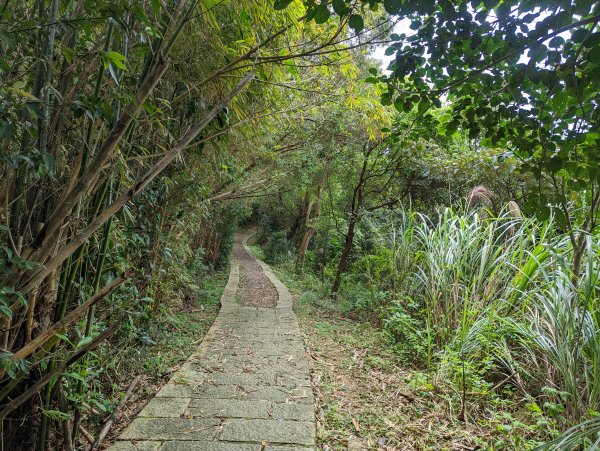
(257, 361)
(287, 448)
(208, 446)
(165, 408)
(280, 394)
(161, 429)
(143, 445)
(292, 380)
(175, 391)
(217, 391)
(189, 376)
(189, 367)
(241, 378)
(254, 368)
(293, 411)
(216, 361)
(252, 337)
(272, 431)
(249, 392)
(260, 350)
(229, 408)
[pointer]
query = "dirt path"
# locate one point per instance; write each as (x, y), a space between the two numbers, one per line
(247, 388)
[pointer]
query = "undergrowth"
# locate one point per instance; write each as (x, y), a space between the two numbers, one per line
(153, 349)
(371, 396)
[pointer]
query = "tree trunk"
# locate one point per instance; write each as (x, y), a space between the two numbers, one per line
(304, 228)
(357, 203)
(344, 258)
(309, 227)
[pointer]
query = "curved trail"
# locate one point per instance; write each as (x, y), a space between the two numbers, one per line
(247, 388)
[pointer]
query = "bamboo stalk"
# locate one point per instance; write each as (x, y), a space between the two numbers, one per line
(67, 250)
(114, 415)
(66, 424)
(95, 286)
(59, 369)
(94, 170)
(66, 321)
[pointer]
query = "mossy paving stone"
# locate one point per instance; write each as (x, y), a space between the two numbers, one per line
(229, 408)
(165, 408)
(160, 429)
(271, 431)
(247, 388)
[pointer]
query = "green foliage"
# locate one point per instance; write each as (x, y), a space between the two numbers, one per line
(486, 304)
(518, 75)
(483, 299)
(496, 93)
(233, 215)
(415, 339)
(152, 344)
(277, 247)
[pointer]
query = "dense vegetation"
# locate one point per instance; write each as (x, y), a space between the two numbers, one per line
(449, 197)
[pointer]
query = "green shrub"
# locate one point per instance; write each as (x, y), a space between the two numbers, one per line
(277, 247)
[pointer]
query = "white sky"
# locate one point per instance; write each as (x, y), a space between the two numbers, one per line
(379, 54)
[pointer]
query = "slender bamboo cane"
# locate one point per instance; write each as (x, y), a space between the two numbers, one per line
(59, 369)
(67, 250)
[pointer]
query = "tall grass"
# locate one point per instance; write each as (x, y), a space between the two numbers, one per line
(496, 294)
(560, 332)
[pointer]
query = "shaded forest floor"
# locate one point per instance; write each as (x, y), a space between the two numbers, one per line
(366, 399)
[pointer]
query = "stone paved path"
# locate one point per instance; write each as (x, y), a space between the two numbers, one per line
(247, 388)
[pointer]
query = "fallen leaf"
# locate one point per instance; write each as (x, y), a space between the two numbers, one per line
(389, 423)
(356, 424)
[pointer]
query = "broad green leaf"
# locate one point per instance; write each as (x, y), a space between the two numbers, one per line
(356, 22)
(392, 6)
(339, 7)
(322, 14)
(282, 4)
(115, 56)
